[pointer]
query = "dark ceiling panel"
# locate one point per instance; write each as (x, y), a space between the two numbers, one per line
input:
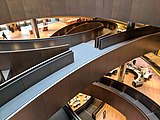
(156, 14)
(16, 9)
(58, 8)
(31, 8)
(44, 8)
(4, 12)
(121, 9)
(99, 8)
(88, 7)
(107, 8)
(142, 10)
(74, 9)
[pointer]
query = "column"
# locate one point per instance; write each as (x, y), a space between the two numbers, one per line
(122, 69)
(35, 28)
(121, 72)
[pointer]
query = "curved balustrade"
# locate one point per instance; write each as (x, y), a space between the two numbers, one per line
(11, 45)
(127, 10)
(93, 32)
(67, 28)
(87, 68)
(107, 24)
(106, 41)
(136, 98)
(18, 61)
(85, 27)
(34, 44)
(18, 84)
(120, 102)
(89, 31)
(73, 39)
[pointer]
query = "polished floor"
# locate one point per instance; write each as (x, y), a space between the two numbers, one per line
(111, 114)
(25, 34)
(150, 88)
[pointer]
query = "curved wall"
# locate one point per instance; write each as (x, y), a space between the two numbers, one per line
(142, 11)
(72, 39)
(77, 79)
(85, 27)
(25, 80)
(120, 103)
(18, 61)
(106, 41)
(107, 24)
(139, 99)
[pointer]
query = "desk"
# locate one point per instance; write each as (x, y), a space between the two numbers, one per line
(78, 101)
(138, 79)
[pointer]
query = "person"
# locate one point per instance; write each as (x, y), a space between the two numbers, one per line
(104, 114)
(4, 36)
(134, 62)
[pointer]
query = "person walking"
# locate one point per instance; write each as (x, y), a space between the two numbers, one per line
(4, 36)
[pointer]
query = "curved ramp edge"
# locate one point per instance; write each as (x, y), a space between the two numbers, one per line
(90, 65)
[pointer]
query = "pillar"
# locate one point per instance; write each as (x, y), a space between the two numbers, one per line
(122, 69)
(121, 72)
(35, 28)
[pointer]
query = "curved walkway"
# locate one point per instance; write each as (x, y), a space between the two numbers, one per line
(130, 103)
(72, 79)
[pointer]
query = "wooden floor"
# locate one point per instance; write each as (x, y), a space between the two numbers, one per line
(111, 114)
(24, 33)
(150, 88)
